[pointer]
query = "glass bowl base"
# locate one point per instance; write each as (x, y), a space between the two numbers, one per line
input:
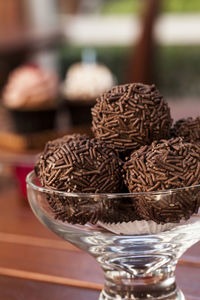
(175, 295)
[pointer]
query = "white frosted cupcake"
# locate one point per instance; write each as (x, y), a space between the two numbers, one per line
(83, 83)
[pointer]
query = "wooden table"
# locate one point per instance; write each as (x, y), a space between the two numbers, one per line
(36, 264)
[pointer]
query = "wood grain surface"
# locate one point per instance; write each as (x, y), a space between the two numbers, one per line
(36, 264)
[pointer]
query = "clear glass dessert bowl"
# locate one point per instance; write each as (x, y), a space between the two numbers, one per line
(138, 258)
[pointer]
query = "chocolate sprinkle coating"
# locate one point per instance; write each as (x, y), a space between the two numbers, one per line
(188, 129)
(167, 164)
(51, 146)
(80, 165)
(131, 115)
(81, 210)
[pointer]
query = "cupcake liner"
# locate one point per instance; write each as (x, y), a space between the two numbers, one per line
(31, 121)
(79, 110)
(137, 227)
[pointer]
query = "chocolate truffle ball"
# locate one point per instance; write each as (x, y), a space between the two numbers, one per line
(167, 164)
(80, 165)
(188, 129)
(131, 115)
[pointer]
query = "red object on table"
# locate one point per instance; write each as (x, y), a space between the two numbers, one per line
(20, 173)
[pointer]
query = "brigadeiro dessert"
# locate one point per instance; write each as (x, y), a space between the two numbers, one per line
(188, 129)
(80, 165)
(83, 83)
(131, 115)
(30, 96)
(165, 165)
(128, 117)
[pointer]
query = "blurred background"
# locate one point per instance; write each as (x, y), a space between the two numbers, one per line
(56, 56)
(150, 41)
(55, 32)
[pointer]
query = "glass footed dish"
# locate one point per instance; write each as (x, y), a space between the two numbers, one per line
(138, 258)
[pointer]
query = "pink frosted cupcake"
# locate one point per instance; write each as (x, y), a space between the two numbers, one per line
(31, 97)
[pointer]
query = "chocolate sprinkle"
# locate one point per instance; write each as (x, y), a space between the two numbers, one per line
(188, 129)
(165, 165)
(131, 115)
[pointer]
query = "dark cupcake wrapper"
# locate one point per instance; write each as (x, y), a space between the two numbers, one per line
(33, 121)
(79, 110)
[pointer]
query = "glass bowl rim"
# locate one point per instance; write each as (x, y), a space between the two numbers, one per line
(38, 188)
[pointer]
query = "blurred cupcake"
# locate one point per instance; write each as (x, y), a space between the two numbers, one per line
(31, 98)
(83, 83)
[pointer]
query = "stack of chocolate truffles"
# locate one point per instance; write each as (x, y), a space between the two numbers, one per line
(135, 149)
